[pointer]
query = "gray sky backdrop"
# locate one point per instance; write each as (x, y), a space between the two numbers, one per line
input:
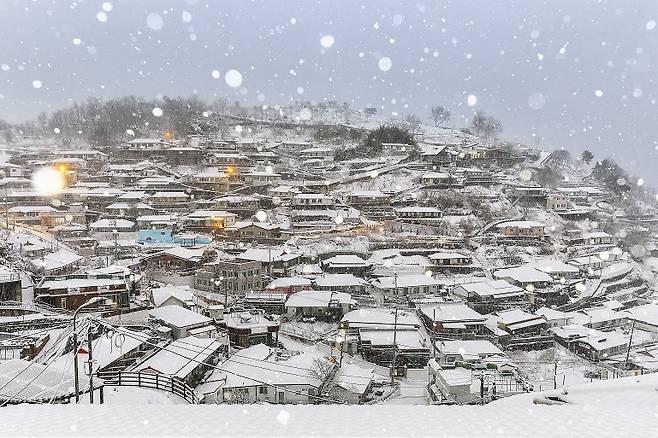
(560, 73)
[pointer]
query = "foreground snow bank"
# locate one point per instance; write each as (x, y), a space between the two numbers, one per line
(622, 407)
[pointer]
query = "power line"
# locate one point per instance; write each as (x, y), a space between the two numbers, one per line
(193, 348)
(21, 372)
(31, 381)
(232, 372)
(64, 373)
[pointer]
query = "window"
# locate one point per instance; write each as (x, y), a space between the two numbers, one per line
(262, 390)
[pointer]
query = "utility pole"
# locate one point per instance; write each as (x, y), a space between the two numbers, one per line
(482, 388)
(395, 330)
(434, 333)
(91, 364)
(342, 350)
(76, 376)
(115, 235)
(341, 333)
(630, 342)
(222, 283)
(6, 208)
(555, 375)
(269, 261)
(75, 359)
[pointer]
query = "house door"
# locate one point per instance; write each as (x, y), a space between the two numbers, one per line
(280, 400)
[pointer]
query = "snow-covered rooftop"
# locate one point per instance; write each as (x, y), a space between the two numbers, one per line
(317, 299)
(524, 274)
(491, 288)
(452, 312)
(256, 364)
(179, 316)
(180, 357)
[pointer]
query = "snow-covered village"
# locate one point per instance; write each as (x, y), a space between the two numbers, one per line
(236, 264)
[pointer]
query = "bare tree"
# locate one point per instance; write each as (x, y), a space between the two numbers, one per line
(369, 112)
(485, 126)
(413, 122)
(42, 121)
(547, 177)
(440, 115)
(560, 158)
(240, 396)
(322, 369)
(479, 123)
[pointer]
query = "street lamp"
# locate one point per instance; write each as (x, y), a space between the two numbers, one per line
(91, 302)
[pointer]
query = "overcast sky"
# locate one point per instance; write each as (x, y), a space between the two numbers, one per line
(557, 73)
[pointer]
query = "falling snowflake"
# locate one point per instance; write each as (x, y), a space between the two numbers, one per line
(233, 78)
(283, 417)
(157, 112)
(37, 84)
(471, 100)
(536, 101)
(385, 63)
(154, 21)
(47, 181)
(327, 41)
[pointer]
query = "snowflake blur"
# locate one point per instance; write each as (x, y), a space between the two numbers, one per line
(48, 181)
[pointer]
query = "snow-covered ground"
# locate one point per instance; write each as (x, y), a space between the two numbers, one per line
(622, 407)
(311, 331)
(124, 395)
(412, 389)
(539, 367)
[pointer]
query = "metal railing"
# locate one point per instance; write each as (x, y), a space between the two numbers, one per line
(6, 278)
(37, 306)
(157, 381)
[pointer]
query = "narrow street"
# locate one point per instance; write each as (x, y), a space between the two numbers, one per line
(412, 389)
